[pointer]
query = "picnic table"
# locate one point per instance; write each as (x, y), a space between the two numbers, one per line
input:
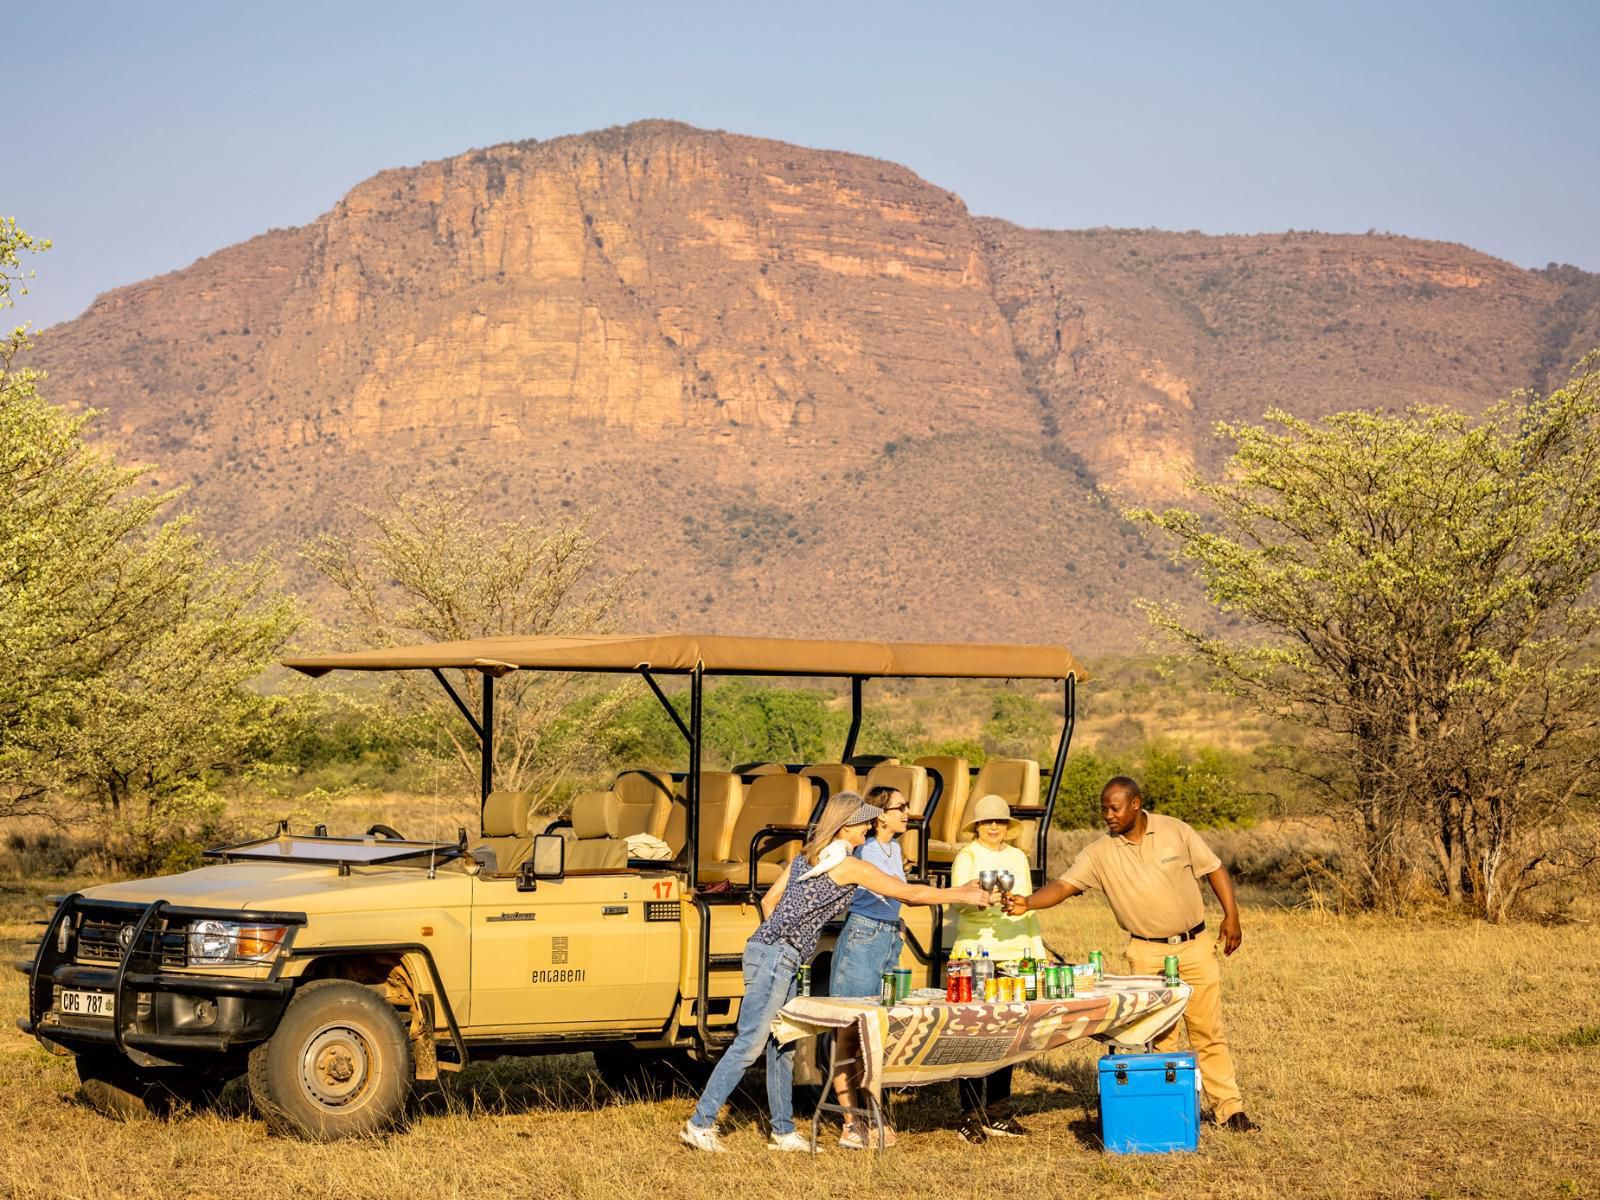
(926, 1039)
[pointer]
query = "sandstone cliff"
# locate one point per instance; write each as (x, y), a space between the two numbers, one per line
(805, 390)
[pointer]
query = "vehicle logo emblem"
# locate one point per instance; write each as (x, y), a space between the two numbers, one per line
(125, 938)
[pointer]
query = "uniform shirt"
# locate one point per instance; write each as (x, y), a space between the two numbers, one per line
(1153, 884)
(886, 856)
(978, 929)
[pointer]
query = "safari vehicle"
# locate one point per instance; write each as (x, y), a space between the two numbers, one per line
(335, 971)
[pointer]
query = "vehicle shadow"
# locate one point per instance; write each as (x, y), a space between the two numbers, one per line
(560, 1083)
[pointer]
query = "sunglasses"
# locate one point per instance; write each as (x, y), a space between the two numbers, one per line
(896, 808)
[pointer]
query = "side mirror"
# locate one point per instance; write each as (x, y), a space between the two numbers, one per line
(548, 861)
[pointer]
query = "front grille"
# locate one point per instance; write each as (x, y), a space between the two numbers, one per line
(99, 941)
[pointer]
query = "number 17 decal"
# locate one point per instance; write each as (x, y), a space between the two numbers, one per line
(663, 889)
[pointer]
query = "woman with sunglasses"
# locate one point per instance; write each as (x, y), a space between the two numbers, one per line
(985, 929)
(816, 888)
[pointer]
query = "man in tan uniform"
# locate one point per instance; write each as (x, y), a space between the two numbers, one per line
(1149, 867)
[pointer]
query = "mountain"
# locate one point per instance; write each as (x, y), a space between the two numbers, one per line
(805, 391)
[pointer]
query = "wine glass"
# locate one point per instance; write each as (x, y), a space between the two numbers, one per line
(1006, 880)
(987, 880)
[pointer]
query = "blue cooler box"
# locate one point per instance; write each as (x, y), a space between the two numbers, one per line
(1149, 1103)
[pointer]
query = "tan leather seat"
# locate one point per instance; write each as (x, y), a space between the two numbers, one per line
(761, 769)
(595, 846)
(721, 798)
(646, 800)
(505, 829)
(840, 777)
(1015, 780)
(915, 784)
(769, 800)
(946, 835)
(677, 831)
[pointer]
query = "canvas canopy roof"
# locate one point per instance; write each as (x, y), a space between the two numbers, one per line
(680, 653)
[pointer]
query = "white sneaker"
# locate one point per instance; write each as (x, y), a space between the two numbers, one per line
(701, 1139)
(793, 1140)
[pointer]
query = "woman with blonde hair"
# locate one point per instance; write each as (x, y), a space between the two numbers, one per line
(816, 888)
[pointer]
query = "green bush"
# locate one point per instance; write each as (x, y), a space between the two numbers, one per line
(1019, 726)
(1203, 785)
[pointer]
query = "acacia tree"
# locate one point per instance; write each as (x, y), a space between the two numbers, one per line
(1419, 591)
(428, 568)
(126, 646)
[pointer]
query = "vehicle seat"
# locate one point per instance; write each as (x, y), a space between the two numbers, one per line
(505, 830)
(946, 836)
(721, 798)
(916, 785)
(595, 846)
(840, 777)
(646, 800)
(761, 768)
(1016, 780)
(770, 800)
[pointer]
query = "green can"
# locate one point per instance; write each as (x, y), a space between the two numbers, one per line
(1169, 968)
(1097, 960)
(803, 977)
(902, 983)
(1066, 989)
(889, 990)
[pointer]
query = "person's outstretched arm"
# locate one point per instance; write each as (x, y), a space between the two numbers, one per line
(864, 874)
(1050, 895)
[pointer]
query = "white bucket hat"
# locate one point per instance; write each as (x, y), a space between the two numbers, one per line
(991, 808)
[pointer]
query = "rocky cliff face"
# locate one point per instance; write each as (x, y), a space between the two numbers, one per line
(807, 391)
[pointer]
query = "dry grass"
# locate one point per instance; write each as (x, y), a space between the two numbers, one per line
(1383, 1059)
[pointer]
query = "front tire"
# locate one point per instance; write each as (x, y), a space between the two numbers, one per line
(338, 1066)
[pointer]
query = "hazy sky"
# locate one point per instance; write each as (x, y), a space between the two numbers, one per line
(140, 137)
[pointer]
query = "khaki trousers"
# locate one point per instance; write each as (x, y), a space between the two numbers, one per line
(1199, 967)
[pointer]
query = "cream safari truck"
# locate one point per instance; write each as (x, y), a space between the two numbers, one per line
(333, 972)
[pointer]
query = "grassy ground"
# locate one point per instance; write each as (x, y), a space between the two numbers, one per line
(1382, 1058)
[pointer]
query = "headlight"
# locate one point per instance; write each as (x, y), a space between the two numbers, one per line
(217, 943)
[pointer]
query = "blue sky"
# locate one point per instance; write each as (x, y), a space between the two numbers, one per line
(140, 138)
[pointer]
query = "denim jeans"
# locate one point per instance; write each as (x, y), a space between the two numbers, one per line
(769, 984)
(866, 949)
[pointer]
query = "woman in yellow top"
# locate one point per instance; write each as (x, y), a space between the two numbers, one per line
(1006, 938)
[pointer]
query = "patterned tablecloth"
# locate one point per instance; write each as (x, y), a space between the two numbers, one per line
(911, 1044)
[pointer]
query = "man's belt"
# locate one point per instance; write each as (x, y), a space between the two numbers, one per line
(1176, 939)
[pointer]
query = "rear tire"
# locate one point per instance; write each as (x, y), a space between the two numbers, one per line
(338, 1066)
(115, 1088)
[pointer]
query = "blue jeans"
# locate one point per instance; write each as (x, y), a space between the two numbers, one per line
(769, 984)
(866, 949)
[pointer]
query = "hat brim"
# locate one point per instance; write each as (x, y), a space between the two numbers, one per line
(1011, 821)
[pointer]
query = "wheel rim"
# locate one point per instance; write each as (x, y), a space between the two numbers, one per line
(337, 1067)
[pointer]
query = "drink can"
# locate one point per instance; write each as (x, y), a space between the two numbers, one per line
(991, 990)
(887, 993)
(1097, 960)
(804, 977)
(1068, 987)
(1169, 968)
(1052, 982)
(902, 983)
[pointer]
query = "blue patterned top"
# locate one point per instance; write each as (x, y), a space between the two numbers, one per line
(804, 908)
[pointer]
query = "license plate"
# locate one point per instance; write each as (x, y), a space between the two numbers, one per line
(88, 1004)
